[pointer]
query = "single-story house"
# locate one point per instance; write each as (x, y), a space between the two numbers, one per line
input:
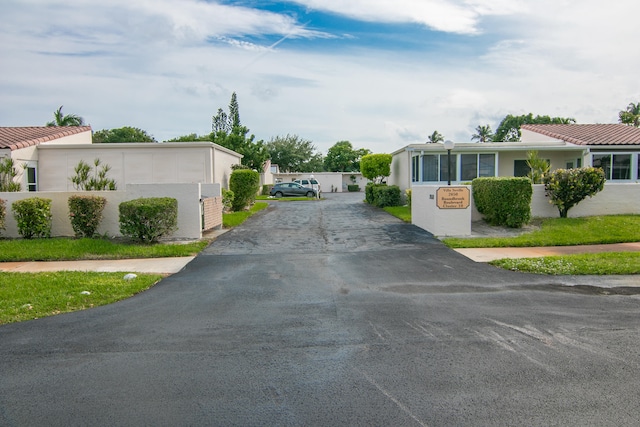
(21, 144)
(50, 154)
(614, 147)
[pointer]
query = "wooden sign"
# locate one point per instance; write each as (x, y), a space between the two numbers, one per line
(453, 197)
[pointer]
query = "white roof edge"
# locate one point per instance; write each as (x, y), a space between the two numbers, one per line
(143, 145)
(496, 146)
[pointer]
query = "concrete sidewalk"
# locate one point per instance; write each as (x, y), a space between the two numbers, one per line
(147, 265)
(490, 254)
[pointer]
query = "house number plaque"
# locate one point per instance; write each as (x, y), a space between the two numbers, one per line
(453, 197)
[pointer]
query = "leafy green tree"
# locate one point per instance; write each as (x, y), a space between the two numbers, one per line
(60, 119)
(483, 134)
(435, 137)
(123, 134)
(376, 167)
(568, 187)
(293, 154)
(509, 128)
(191, 138)
(8, 174)
(630, 116)
(342, 157)
(538, 167)
(228, 132)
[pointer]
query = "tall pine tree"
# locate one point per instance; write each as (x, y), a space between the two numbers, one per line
(227, 131)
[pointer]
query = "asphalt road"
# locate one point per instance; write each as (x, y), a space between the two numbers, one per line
(332, 313)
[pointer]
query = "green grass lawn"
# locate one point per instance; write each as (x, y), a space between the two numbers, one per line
(61, 248)
(597, 264)
(402, 212)
(26, 296)
(233, 219)
(563, 232)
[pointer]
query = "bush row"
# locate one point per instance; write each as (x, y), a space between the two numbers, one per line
(144, 219)
(382, 195)
(504, 201)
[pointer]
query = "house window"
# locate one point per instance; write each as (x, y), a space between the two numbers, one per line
(468, 167)
(615, 166)
(521, 168)
(475, 165)
(415, 168)
(32, 179)
(487, 165)
(444, 167)
(429, 167)
(621, 166)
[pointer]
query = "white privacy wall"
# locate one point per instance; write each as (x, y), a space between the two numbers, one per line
(187, 195)
(615, 199)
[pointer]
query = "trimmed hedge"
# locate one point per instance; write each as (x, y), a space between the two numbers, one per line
(33, 217)
(382, 195)
(504, 200)
(353, 188)
(85, 213)
(148, 219)
(245, 184)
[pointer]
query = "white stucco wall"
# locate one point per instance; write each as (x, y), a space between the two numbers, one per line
(187, 195)
(401, 170)
(137, 163)
(222, 161)
(614, 199)
(558, 160)
(440, 222)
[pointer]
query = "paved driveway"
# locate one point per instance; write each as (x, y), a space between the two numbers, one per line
(332, 313)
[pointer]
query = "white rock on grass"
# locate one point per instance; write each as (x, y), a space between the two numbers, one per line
(85, 293)
(130, 276)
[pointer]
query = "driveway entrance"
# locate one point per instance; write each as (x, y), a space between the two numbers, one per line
(331, 313)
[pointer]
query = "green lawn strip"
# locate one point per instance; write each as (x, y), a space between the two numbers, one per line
(26, 296)
(60, 249)
(401, 212)
(233, 219)
(609, 263)
(563, 232)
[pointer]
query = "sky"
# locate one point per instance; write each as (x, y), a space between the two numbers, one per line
(381, 74)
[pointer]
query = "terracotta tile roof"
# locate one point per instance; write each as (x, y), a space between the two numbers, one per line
(593, 134)
(21, 137)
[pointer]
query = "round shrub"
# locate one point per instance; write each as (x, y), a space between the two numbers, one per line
(148, 219)
(33, 217)
(85, 213)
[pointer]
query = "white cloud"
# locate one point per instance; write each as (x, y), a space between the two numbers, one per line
(442, 15)
(153, 65)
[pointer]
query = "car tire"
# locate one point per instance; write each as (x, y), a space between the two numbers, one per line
(278, 194)
(310, 194)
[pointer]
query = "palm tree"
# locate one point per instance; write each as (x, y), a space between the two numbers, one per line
(483, 134)
(631, 116)
(435, 137)
(68, 120)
